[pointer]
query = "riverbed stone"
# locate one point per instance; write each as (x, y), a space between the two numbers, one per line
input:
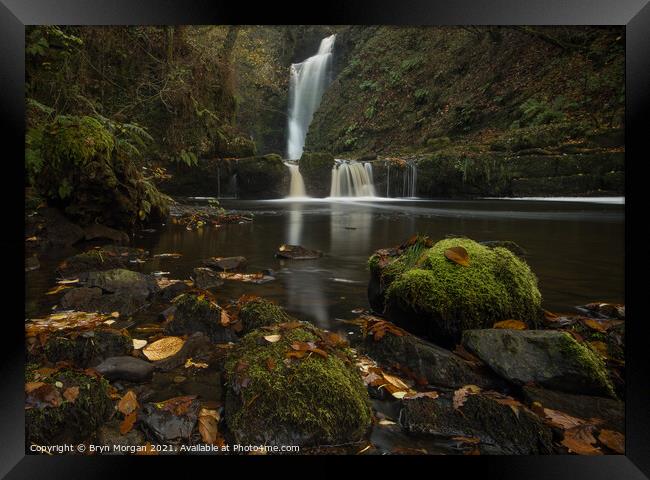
(434, 297)
(90, 348)
(262, 177)
(121, 280)
(103, 258)
(195, 314)
(126, 368)
(274, 399)
(225, 263)
(97, 231)
(258, 312)
(164, 425)
(205, 278)
(297, 252)
(500, 429)
(316, 171)
(548, 358)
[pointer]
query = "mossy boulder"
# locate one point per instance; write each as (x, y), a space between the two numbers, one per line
(431, 296)
(316, 171)
(548, 358)
(59, 418)
(88, 349)
(195, 313)
(273, 399)
(258, 312)
(262, 177)
(102, 258)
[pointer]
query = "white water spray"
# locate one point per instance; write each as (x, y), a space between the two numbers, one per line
(297, 185)
(307, 82)
(352, 179)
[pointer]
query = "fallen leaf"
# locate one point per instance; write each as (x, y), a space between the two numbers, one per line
(71, 394)
(128, 403)
(128, 422)
(470, 440)
(396, 381)
(272, 338)
(460, 395)
(510, 324)
(561, 420)
(208, 426)
(600, 347)
(138, 344)
(42, 395)
(224, 319)
(385, 422)
(431, 395)
(189, 363)
(58, 289)
(600, 325)
(612, 440)
(458, 255)
(177, 405)
(270, 364)
(163, 348)
(581, 440)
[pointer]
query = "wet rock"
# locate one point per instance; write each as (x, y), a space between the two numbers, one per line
(58, 418)
(258, 312)
(199, 315)
(262, 177)
(604, 310)
(169, 423)
(168, 293)
(510, 245)
(109, 434)
(121, 280)
(500, 430)
(225, 263)
(97, 231)
(273, 399)
(612, 412)
(197, 346)
(206, 278)
(206, 384)
(297, 252)
(316, 168)
(425, 361)
(126, 368)
(549, 358)
(32, 263)
(87, 349)
(81, 298)
(105, 258)
(57, 229)
(436, 298)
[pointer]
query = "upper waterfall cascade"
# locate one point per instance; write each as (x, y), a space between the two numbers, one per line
(307, 83)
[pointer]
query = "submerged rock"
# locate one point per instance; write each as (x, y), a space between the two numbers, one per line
(279, 394)
(225, 263)
(126, 368)
(105, 258)
(206, 278)
(297, 252)
(98, 231)
(172, 421)
(194, 314)
(431, 295)
(66, 406)
(549, 358)
(87, 349)
(121, 280)
(500, 429)
(258, 312)
(53, 229)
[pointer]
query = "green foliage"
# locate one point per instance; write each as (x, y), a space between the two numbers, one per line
(368, 85)
(187, 158)
(411, 63)
(421, 95)
(535, 112)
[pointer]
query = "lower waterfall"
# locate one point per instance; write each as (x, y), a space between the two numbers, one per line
(352, 179)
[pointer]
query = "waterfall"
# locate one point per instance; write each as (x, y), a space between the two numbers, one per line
(352, 179)
(297, 185)
(307, 82)
(407, 175)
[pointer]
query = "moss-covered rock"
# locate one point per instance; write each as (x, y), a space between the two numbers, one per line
(316, 171)
(62, 420)
(275, 400)
(258, 312)
(195, 313)
(87, 349)
(430, 295)
(549, 358)
(262, 177)
(105, 258)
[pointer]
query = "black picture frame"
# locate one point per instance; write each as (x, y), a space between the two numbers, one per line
(15, 14)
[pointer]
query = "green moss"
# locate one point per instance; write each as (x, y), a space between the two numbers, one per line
(88, 348)
(313, 400)
(495, 286)
(588, 361)
(72, 421)
(259, 313)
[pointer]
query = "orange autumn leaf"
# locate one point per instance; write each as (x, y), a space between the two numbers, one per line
(127, 424)
(458, 255)
(581, 440)
(128, 403)
(460, 395)
(612, 440)
(510, 324)
(71, 394)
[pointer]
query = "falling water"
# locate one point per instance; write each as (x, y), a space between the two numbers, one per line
(407, 176)
(307, 82)
(297, 185)
(352, 179)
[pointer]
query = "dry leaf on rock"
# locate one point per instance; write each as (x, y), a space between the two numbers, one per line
(460, 395)
(458, 255)
(127, 424)
(138, 344)
(272, 338)
(128, 403)
(208, 426)
(71, 394)
(581, 440)
(510, 324)
(163, 348)
(613, 440)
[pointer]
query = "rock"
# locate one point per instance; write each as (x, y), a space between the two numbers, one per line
(168, 293)
(165, 426)
(121, 280)
(197, 346)
(32, 263)
(105, 258)
(612, 412)
(500, 430)
(425, 361)
(549, 358)
(98, 231)
(206, 384)
(510, 245)
(65, 421)
(318, 399)
(59, 231)
(205, 278)
(296, 252)
(199, 315)
(225, 263)
(109, 434)
(262, 177)
(316, 171)
(87, 349)
(81, 298)
(126, 368)
(258, 312)
(433, 297)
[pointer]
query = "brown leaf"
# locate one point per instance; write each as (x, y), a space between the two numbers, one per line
(58, 289)
(460, 395)
(432, 395)
(177, 405)
(600, 347)
(43, 394)
(599, 325)
(224, 319)
(127, 424)
(270, 364)
(560, 419)
(470, 440)
(580, 440)
(71, 394)
(128, 403)
(458, 255)
(208, 426)
(612, 440)
(510, 324)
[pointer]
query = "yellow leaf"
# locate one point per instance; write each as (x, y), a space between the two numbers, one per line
(138, 344)
(163, 348)
(58, 289)
(510, 324)
(272, 338)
